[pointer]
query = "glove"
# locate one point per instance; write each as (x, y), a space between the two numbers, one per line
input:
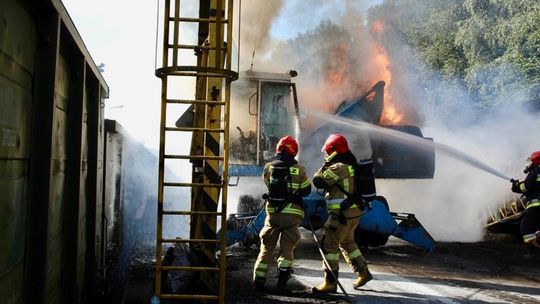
(324, 166)
(515, 185)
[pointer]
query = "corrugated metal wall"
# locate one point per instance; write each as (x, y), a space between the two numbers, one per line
(17, 52)
(51, 157)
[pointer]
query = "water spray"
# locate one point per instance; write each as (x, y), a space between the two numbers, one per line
(412, 141)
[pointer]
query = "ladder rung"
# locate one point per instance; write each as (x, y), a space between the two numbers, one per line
(196, 47)
(204, 20)
(189, 268)
(180, 73)
(190, 241)
(177, 212)
(190, 129)
(172, 156)
(187, 296)
(197, 71)
(171, 184)
(187, 101)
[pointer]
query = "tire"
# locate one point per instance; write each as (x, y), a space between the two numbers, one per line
(248, 204)
(364, 238)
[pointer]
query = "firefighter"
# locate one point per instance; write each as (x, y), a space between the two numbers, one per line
(530, 187)
(287, 183)
(336, 177)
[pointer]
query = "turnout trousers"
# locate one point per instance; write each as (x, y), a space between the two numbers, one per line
(340, 237)
(530, 224)
(282, 227)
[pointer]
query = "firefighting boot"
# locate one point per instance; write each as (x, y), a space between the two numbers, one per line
(329, 285)
(258, 284)
(283, 277)
(364, 276)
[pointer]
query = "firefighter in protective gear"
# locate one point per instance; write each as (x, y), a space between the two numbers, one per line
(284, 212)
(530, 187)
(336, 177)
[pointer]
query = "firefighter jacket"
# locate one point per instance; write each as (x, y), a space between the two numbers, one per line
(299, 185)
(530, 187)
(331, 178)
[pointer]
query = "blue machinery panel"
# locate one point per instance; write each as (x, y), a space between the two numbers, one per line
(377, 219)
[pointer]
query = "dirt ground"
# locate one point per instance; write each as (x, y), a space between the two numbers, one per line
(498, 270)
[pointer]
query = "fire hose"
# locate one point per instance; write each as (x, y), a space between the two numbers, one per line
(325, 261)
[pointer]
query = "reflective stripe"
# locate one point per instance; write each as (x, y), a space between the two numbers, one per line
(329, 173)
(337, 207)
(294, 171)
(261, 269)
(332, 256)
(538, 178)
(287, 210)
(522, 187)
(355, 254)
(293, 211)
(351, 170)
(284, 263)
(346, 185)
(334, 204)
(330, 157)
(295, 186)
(527, 238)
(369, 195)
(262, 265)
(305, 184)
(533, 204)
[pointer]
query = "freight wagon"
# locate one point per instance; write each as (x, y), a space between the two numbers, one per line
(61, 176)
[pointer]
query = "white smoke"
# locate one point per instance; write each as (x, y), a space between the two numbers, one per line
(455, 204)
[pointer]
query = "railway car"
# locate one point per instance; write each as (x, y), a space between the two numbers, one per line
(53, 184)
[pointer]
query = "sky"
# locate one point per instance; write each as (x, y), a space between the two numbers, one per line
(124, 40)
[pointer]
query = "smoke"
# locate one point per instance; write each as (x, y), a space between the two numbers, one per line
(256, 20)
(455, 205)
(338, 57)
(331, 56)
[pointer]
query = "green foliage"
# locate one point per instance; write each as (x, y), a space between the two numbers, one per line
(491, 47)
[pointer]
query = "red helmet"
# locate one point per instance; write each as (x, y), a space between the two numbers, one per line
(336, 143)
(288, 145)
(535, 158)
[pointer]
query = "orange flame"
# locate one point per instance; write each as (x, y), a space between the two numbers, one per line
(337, 66)
(377, 27)
(391, 114)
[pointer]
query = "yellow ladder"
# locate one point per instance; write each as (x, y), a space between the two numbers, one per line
(209, 147)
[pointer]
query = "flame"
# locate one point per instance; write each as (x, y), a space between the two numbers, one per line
(339, 78)
(337, 66)
(335, 78)
(391, 114)
(377, 27)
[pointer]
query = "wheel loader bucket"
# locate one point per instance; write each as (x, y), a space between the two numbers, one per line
(409, 229)
(378, 219)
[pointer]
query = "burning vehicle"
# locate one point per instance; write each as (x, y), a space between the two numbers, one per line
(268, 108)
